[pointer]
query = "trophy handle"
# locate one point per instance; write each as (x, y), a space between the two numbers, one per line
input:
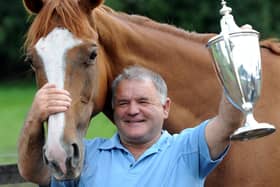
(227, 23)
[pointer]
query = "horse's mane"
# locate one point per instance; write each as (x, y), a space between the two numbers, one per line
(167, 28)
(271, 44)
(68, 14)
(64, 13)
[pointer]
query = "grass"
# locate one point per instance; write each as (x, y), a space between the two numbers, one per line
(15, 100)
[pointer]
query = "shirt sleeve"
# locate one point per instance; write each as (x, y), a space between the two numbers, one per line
(206, 164)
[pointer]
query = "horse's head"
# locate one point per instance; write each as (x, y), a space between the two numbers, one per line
(62, 48)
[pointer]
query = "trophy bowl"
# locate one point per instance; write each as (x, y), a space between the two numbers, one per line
(237, 60)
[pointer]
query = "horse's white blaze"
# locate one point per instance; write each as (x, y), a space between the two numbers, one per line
(52, 50)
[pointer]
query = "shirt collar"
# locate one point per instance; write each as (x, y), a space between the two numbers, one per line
(114, 142)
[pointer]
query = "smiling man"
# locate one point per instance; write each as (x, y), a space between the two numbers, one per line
(141, 153)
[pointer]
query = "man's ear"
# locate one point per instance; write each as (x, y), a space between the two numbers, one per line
(166, 107)
(33, 6)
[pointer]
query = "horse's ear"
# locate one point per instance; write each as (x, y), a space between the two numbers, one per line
(33, 6)
(91, 4)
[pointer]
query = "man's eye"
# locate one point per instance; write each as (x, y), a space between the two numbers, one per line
(144, 102)
(122, 103)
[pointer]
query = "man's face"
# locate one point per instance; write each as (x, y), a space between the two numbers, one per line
(138, 112)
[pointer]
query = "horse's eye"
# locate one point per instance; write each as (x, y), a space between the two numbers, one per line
(92, 56)
(28, 60)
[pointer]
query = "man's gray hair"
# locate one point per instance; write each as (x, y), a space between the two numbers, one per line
(141, 73)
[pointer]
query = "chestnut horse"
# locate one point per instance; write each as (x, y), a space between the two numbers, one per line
(82, 45)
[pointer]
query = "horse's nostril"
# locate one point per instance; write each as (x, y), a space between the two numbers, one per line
(45, 159)
(55, 167)
(76, 155)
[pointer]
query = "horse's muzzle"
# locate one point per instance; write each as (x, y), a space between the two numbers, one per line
(69, 168)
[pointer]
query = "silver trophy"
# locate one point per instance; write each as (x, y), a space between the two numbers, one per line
(237, 60)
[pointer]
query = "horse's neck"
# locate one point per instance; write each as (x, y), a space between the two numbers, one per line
(142, 26)
(142, 21)
(132, 39)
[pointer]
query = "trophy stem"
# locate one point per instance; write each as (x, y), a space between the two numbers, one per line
(252, 129)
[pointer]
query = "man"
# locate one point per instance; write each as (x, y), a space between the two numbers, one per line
(141, 153)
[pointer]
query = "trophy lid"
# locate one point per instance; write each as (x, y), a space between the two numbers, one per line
(227, 22)
(228, 26)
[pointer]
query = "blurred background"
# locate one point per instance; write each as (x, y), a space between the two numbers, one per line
(17, 85)
(191, 15)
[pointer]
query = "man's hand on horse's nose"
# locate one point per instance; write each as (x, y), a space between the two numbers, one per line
(50, 100)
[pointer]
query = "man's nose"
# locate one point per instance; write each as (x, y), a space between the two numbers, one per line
(133, 108)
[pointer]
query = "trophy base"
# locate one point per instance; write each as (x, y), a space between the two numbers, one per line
(248, 132)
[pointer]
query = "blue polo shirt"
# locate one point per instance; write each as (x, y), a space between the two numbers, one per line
(173, 161)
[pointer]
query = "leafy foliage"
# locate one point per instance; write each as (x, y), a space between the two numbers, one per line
(13, 26)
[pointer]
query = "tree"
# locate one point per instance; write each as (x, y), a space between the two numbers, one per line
(12, 28)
